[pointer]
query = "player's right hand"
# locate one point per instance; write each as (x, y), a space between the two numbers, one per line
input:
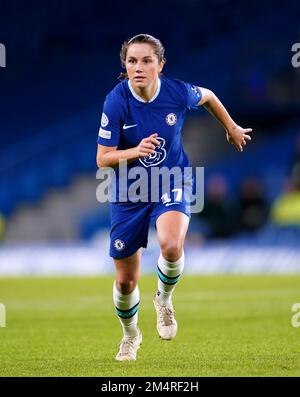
(147, 146)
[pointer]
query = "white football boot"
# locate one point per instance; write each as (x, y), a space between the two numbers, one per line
(128, 347)
(166, 323)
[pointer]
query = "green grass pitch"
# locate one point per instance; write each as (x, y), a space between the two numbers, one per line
(228, 326)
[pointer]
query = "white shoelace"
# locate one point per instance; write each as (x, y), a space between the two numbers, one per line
(166, 315)
(127, 346)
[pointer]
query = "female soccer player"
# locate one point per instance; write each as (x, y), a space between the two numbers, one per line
(141, 125)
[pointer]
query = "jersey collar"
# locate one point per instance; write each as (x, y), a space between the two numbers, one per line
(141, 99)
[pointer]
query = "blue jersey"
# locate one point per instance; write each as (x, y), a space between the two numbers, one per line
(127, 119)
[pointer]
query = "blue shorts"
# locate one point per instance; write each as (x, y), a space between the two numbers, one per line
(130, 224)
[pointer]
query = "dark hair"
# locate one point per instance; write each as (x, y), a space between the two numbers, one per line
(141, 38)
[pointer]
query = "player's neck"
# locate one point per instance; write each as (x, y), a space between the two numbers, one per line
(147, 93)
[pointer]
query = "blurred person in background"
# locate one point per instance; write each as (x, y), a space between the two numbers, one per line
(253, 205)
(296, 156)
(141, 123)
(217, 215)
(286, 208)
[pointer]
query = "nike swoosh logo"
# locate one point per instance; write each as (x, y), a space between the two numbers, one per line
(128, 126)
(167, 204)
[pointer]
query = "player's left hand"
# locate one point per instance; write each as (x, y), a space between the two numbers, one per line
(238, 136)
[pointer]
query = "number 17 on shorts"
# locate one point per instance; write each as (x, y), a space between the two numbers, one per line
(176, 195)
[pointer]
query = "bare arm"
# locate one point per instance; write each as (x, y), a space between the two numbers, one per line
(234, 133)
(110, 156)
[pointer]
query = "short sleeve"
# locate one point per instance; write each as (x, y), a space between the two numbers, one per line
(194, 96)
(111, 121)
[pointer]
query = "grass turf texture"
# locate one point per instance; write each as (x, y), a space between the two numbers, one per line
(228, 326)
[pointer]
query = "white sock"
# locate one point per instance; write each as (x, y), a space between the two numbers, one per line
(127, 310)
(168, 275)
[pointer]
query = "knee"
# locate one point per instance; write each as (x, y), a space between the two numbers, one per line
(171, 249)
(125, 286)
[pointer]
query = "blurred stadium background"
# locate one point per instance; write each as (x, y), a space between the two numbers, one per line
(63, 58)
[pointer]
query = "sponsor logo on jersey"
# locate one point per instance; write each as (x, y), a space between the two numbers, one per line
(119, 244)
(157, 157)
(104, 120)
(104, 134)
(171, 119)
